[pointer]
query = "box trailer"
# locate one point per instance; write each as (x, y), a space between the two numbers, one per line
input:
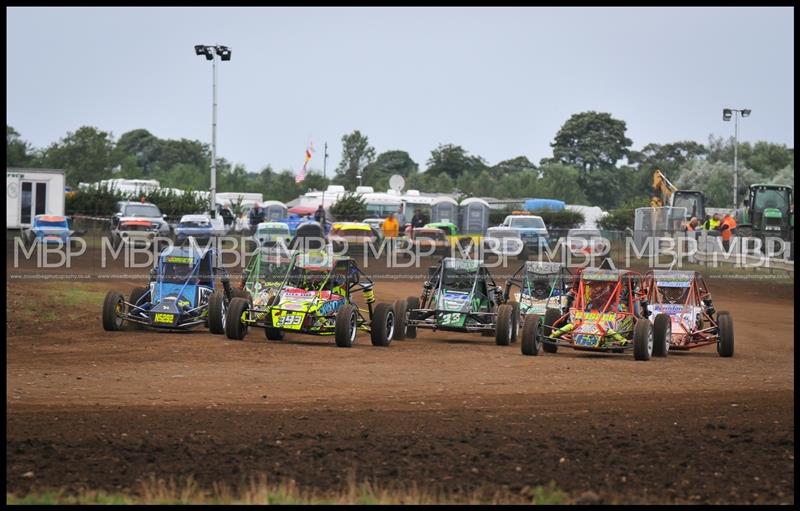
(31, 192)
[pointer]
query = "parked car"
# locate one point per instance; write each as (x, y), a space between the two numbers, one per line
(532, 230)
(356, 235)
(48, 229)
(130, 210)
(502, 242)
(271, 233)
(586, 242)
(427, 238)
(134, 232)
(194, 226)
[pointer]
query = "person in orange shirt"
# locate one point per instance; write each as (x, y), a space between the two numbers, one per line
(726, 228)
(391, 227)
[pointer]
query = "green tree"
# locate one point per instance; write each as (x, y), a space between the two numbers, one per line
(561, 182)
(356, 155)
(184, 151)
(19, 153)
(453, 160)
(715, 180)
(314, 181)
(387, 164)
(349, 208)
(143, 146)
(591, 141)
(87, 155)
(512, 166)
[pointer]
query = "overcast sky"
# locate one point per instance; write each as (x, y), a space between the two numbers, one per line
(498, 81)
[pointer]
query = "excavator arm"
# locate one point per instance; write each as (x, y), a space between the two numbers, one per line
(662, 190)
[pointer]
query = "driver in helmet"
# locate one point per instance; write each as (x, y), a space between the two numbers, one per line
(673, 294)
(541, 291)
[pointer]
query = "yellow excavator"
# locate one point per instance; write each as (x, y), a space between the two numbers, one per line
(667, 194)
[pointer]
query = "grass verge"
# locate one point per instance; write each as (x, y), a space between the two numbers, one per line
(259, 491)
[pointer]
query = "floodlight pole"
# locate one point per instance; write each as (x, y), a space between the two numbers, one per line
(214, 137)
(726, 113)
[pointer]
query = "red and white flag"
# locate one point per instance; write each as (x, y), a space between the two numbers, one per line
(302, 174)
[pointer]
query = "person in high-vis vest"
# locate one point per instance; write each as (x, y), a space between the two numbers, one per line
(726, 228)
(713, 224)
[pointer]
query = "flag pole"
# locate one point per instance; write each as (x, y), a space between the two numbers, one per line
(324, 174)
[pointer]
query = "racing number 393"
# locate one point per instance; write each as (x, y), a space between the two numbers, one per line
(289, 320)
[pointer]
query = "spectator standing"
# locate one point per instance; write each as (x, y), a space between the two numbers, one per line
(256, 216)
(726, 228)
(319, 215)
(391, 228)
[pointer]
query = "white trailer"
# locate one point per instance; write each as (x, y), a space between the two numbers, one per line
(31, 192)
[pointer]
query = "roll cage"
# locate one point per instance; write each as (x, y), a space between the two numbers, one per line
(533, 277)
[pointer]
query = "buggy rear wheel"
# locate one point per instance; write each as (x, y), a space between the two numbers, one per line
(113, 308)
(531, 335)
(400, 307)
(662, 335)
(346, 325)
(383, 324)
(274, 334)
(725, 337)
(505, 325)
(234, 328)
(515, 318)
(412, 302)
(550, 318)
(240, 293)
(217, 312)
(643, 340)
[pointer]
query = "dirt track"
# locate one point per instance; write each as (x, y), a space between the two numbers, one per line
(98, 410)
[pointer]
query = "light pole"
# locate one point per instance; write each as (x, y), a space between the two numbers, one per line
(726, 116)
(211, 53)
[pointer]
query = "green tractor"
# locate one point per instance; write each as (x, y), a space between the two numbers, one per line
(767, 212)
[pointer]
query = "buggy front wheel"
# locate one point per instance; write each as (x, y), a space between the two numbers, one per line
(400, 307)
(531, 335)
(550, 318)
(113, 308)
(217, 312)
(515, 321)
(346, 325)
(662, 334)
(234, 327)
(725, 339)
(274, 334)
(505, 325)
(643, 340)
(412, 302)
(383, 324)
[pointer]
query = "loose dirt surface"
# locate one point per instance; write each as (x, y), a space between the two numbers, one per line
(89, 409)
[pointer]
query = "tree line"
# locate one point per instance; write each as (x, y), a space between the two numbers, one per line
(592, 163)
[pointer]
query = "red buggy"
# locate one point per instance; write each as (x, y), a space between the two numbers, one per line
(607, 311)
(681, 309)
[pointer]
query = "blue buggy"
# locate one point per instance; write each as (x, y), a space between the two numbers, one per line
(181, 295)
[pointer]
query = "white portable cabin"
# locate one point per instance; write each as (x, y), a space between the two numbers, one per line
(248, 198)
(127, 186)
(31, 192)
